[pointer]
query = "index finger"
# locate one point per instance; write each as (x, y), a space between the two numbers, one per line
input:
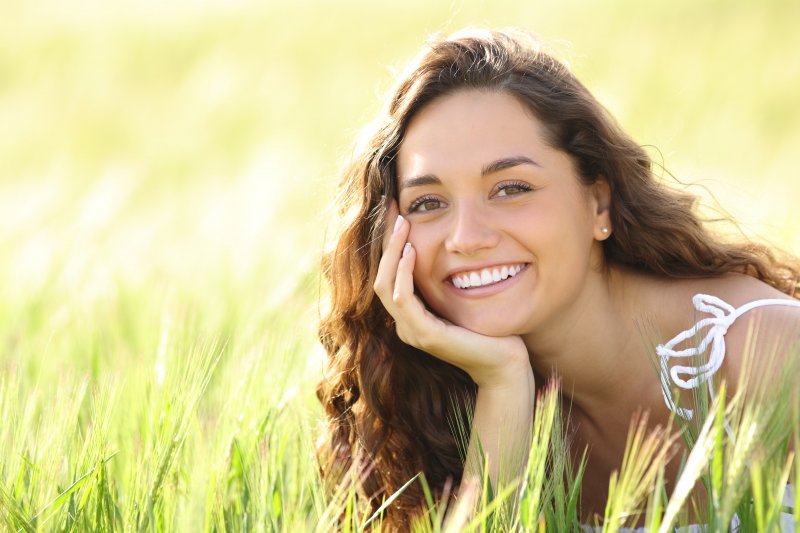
(392, 211)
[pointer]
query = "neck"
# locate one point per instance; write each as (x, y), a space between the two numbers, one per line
(595, 346)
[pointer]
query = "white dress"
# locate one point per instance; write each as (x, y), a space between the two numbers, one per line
(723, 315)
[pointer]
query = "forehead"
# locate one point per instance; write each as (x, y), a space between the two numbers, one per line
(462, 131)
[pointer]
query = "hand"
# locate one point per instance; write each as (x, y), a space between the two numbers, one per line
(492, 362)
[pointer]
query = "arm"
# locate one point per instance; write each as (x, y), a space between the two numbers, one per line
(501, 430)
(763, 362)
(763, 347)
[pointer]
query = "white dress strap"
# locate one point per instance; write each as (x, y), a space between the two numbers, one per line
(723, 315)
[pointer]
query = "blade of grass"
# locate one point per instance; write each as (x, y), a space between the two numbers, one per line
(388, 502)
(693, 469)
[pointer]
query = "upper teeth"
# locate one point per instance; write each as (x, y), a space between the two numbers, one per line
(487, 276)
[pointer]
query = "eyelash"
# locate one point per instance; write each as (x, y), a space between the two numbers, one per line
(524, 187)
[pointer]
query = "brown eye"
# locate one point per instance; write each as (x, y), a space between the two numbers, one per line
(424, 205)
(512, 189)
(429, 205)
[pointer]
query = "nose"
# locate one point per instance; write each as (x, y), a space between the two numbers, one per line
(470, 232)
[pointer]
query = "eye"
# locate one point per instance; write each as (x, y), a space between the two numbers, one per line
(425, 204)
(512, 188)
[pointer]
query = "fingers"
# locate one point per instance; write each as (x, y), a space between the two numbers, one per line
(415, 324)
(394, 241)
(392, 212)
(404, 278)
(394, 283)
(411, 319)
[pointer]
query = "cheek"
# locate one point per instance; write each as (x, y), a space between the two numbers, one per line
(422, 242)
(566, 221)
(427, 284)
(423, 275)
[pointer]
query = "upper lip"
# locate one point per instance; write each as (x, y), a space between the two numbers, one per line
(478, 268)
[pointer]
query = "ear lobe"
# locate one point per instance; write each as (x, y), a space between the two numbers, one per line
(601, 191)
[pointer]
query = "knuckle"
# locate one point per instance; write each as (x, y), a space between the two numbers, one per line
(381, 287)
(398, 297)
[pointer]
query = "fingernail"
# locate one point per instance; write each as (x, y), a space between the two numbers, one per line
(406, 249)
(397, 223)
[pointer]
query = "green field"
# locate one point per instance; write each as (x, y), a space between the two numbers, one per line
(166, 173)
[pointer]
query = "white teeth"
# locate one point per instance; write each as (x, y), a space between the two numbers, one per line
(485, 276)
(474, 279)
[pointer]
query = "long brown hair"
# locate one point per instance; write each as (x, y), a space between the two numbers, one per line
(394, 406)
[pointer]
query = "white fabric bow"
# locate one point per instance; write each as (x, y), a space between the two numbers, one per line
(691, 377)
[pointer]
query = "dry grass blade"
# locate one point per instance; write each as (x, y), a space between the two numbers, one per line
(645, 454)
(694, 468)
(535, 486)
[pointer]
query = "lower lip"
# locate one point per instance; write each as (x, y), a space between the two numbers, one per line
(488, 290)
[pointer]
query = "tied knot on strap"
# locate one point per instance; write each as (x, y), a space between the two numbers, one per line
(723, 315)
(691, 377)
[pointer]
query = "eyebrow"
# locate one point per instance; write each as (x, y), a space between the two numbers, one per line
(489, 168)
(507, 162)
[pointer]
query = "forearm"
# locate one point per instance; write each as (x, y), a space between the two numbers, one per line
(501, 430)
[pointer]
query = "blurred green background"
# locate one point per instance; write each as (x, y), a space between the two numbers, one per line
(197, 143)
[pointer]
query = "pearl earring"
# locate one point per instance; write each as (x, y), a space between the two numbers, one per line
(605, 230)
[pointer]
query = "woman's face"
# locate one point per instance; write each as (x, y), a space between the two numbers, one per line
(505, 233)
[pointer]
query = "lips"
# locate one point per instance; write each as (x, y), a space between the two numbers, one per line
(486, 276)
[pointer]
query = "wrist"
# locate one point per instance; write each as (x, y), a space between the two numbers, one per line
(513, 375)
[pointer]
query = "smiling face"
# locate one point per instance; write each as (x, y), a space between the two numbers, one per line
(506, 235)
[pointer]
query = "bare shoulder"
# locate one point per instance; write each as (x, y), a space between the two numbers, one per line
(674, 298)
(767, 333)
(738, 289)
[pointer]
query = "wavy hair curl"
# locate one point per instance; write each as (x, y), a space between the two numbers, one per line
(394, 407)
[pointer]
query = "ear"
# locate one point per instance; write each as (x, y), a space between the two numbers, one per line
(600, 192)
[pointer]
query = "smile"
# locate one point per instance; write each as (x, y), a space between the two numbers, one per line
(487, 276)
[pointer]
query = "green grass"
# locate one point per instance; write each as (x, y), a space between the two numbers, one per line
(165, 175)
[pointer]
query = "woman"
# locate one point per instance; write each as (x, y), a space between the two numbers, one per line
(498, 229)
